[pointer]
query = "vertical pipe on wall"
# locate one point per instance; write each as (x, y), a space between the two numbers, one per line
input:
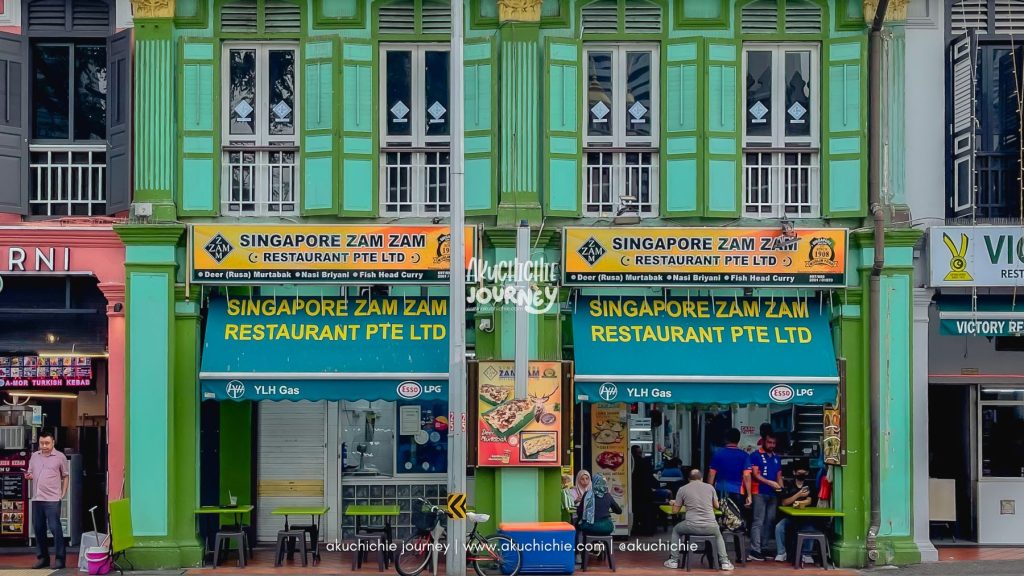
(875, 138)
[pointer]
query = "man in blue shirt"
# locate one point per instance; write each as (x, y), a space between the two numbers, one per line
(766, 482)
(728, 468)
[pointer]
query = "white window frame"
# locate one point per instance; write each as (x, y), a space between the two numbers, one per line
(262, 141)
(980, 436)
(421, 146)
(619, 144)
(778, 144)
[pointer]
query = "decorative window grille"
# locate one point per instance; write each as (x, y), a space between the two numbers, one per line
(415, 157)
(621, 132)
(260, 156)
(781, 175)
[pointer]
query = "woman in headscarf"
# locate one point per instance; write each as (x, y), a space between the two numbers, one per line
(594, 514)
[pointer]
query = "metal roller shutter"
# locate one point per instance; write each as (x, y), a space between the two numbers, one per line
(290, 469)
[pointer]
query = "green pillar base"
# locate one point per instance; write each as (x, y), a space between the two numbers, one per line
(162, 554)
(850, 555)
(898, 551)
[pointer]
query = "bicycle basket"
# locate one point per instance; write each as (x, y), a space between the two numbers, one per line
(424, 520)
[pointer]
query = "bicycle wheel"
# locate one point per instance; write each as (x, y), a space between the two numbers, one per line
(495, 556)
(414, 555)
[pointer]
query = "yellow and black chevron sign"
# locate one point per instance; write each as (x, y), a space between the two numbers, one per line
(457, 505)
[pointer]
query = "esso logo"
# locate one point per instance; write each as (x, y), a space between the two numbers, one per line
(781, 393)
(409, 390)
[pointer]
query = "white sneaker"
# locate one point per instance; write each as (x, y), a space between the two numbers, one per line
(781, 557)
(807, 559)
(673, 564)
(727, 567)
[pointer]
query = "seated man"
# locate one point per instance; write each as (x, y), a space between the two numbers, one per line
(700, 501)
(799, 492)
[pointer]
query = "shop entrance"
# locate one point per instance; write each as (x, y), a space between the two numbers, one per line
(54, 372)
(951, 410)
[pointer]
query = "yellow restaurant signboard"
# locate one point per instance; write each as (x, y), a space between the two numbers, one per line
(704, 257)
(357, 254)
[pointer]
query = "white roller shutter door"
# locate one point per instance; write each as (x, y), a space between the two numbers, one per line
(292, 442)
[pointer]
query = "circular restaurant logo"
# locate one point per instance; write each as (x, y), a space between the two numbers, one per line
(781, 393)
(235, 389)
(409, 389)
(608, 391)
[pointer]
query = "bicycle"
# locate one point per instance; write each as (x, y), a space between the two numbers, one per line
(489, 555)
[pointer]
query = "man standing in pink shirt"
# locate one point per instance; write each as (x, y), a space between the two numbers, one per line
(48, 470)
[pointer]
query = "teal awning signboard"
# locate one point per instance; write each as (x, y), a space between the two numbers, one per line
(325, 349)
(704, 350)
(988, 316)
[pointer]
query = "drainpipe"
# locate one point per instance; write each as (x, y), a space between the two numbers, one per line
(874, 298)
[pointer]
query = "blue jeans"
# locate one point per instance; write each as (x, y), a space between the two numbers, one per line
(782, 527)
(47, 514)
(765, 506)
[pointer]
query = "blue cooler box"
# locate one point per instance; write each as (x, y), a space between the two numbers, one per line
(547, 547)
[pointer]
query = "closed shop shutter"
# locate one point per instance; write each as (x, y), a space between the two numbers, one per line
(290, 470)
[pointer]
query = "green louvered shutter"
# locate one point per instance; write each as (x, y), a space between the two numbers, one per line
(723, 148)
(681, 173)
(359, 116)
(481, 135)
(562, 136)
(844, 177)
(198, 129)
(319, 126)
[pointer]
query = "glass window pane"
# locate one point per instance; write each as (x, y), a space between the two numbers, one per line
(51, 92)
(90, 92)
(1011, 394)
(367, 430)
(281, 92)
(599, 93)
(798, 93)
(416, 456)
(759, 93)
(1001, 113)
(399, 92)
(1002, 441)
(242, 92)
(435, 79)
(638, 94)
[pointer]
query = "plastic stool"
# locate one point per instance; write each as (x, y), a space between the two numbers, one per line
(739, 541)
(285, 543)
(814, 537)
(224, 539)
(314, 538)
(606, 544)
(693, 540)
(366, 539)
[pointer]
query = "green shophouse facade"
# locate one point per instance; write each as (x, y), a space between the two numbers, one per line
(590, 110)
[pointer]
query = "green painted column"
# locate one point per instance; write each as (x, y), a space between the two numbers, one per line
(161, 413)
(852, 481)
(895, 542)
(154, 116)
(521, 106)
(519, 494)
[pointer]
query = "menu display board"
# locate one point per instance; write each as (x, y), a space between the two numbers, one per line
(520, 431)
(13, 496)
(609, 431)
(48, 373)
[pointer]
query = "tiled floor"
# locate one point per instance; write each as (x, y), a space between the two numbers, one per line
(961, 553)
